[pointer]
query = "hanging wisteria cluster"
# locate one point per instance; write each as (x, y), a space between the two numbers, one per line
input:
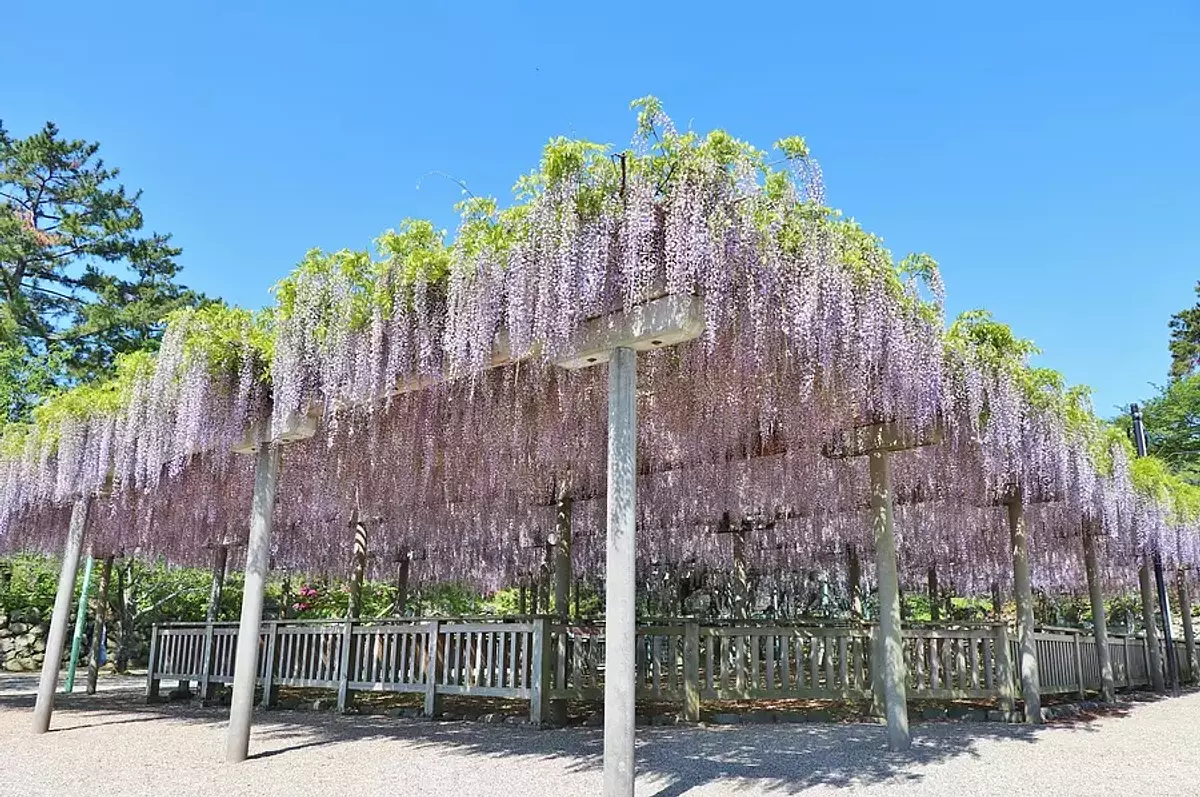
(446, 428)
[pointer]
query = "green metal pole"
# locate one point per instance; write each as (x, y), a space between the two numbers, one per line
(80, 619)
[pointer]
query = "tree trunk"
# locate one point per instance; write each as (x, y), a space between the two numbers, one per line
(101, 615)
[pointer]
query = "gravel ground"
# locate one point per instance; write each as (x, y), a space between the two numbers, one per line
(111, 744)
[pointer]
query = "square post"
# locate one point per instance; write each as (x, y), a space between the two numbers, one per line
(539, 692)
(270, 691)
(258, 557)
(621, 576)
(1030, 679)
(345, 661)
(56, 639)
(1079, 666)
(1099, 617)
(204, 687)
(892, 671)
(432, 708)
(1005, 681)
(691, 671)
(152, 666)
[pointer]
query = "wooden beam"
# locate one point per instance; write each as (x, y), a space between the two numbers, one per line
(871, 438)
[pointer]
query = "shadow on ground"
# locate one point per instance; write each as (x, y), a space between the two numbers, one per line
(783, 758)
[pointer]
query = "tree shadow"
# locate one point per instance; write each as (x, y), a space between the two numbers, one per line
(782, 758)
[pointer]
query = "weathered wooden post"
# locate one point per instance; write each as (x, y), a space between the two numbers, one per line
(562, 551)
(345, 660)
(216, 590)
(854, 581)
(1006, 682)
(935, 601)
(1028, 663)
(539, 693)
(358, 566)
(56, 639)
(997, 605)
(432, 701)
(691, 671)
(522, 601)
(1099, 616)
(403, 565)
(1189, 634)
(258, 555)
(99, 637)
(1154, 658)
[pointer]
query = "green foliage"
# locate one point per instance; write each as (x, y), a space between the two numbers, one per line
(1185, 340)
(81, 284)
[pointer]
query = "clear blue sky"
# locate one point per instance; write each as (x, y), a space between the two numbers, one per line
(1046, 153)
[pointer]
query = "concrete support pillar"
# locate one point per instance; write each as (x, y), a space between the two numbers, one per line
(935, 598)
(1099, 618)
(1027, 659)
(620, 576)
(1145, 579)
(892, 673)
(57, 638)
(562, 552)
(258, 557)
(99, 625)
(854, 582)
(1189, 635)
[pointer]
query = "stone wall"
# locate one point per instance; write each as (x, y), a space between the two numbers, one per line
(22, 640)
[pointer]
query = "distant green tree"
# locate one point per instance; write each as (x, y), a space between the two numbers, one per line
(80, 283)
(1185, 340)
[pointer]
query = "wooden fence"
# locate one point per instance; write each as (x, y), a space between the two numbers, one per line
(539, 660)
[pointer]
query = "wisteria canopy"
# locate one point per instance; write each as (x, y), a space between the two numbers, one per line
(446, 426)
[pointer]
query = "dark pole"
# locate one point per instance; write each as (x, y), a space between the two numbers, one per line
(1139, 441)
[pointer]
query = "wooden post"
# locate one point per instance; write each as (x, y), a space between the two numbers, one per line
(402, 570)
(741, 585)
(99, 637)
(539, 693)
(1189, 634)
(621, 579)
(56, 639)
(935, 603)
(358, 566)
(270, 692)
(1030, 680)
(205, 687)
(522, 603)
(152, 666)
(346, 660)
(562, 549)
(891, 641)
(997, 605)
(854, 581)
(1099, 617)
(1079, 667)
(220, 561)
(1006, 682)
(258, 556)
(691, 671)
(1153, 658)
(432, 707)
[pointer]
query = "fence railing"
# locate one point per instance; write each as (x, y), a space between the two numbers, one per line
(541, 660)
